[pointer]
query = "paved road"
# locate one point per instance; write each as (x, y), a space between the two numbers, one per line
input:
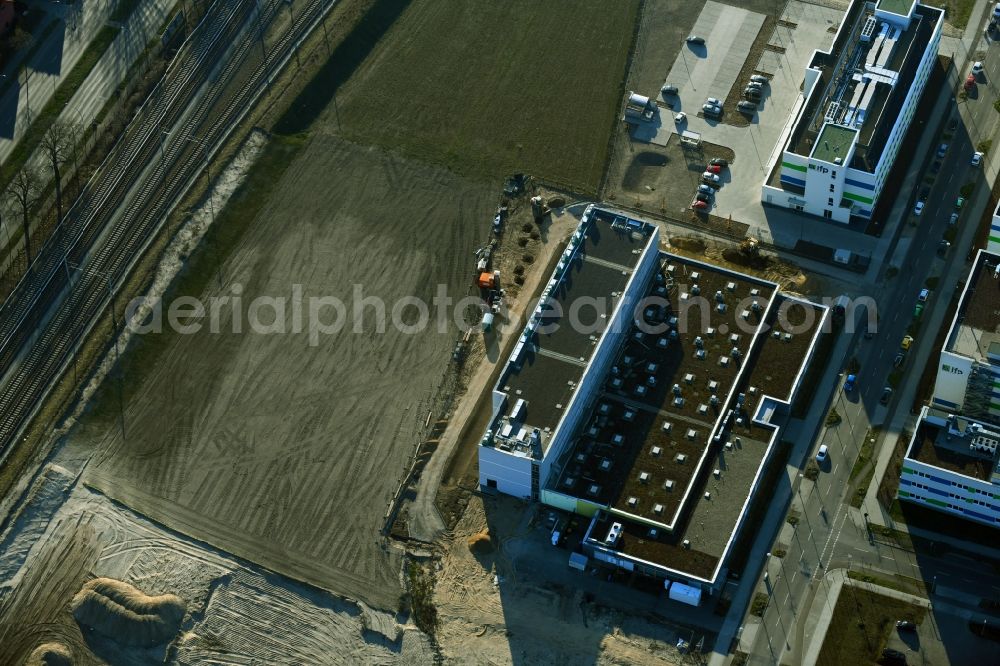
(827, 535)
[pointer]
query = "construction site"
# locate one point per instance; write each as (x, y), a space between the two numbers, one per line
(401, 488)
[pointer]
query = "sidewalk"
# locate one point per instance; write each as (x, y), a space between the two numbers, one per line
(948, 282)
(774, 520)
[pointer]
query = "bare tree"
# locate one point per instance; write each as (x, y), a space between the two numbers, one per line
(56, 144)
(23, 190)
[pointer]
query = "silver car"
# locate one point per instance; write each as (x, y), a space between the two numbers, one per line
(747, 107)
(711, 110)
(758, 78)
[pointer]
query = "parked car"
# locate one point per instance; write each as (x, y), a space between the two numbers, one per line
(719, 161)
(706, 189)
(918, 311)
(699, 205)
(924, 193)
(755, 84)
(953, 219)
(668, 90)
(923, 295)
(959, 203)
(752, 94)
(759, 78)
(936, 167)
(977, 158)
(701, 196)
(970, 83)
(918, 208)
(906, 625)
(695, 39)
(905, 344)
(711, 110)
(899, 360)
(886, 395)
(713, 168)
(747, 107)
(823, 453)
(850, 383)
(680, 118)
(713, 101)
(710, 178)
(942, 150)
(943, 248)
(977, 68)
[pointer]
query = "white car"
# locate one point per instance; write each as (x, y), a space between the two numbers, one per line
(680, 118)
(919, 208)
(977, 68)
(823, 453)
(924, 295)
(977, 158)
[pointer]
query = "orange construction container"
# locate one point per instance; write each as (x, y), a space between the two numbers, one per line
(485, 280)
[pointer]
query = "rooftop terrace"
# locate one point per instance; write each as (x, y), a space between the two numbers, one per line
(834, 141)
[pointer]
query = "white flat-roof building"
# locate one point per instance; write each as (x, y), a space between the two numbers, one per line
(655, 406)
(857, 103)
(968, 375)
(953, 465)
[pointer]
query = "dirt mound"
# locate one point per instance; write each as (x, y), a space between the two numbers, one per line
(689, 244)
(125, 614)
(480, 543)
(50, 654)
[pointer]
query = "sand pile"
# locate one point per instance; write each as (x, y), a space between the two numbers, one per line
(480, 543)
(50, 654)
(123, 613)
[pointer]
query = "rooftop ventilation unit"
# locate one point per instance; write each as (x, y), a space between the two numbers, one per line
(644, 477)
(668, 484)
(658, 509)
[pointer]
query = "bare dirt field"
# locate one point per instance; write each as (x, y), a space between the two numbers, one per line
(490, 88)
(281, 452)
(492, 611)
(236, 613)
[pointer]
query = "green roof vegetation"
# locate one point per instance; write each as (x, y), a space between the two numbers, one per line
(834, 141)
(901, 7)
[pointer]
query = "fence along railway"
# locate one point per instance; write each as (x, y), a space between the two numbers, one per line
(160, 154)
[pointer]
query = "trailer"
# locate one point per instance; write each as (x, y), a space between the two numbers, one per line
(683, 593)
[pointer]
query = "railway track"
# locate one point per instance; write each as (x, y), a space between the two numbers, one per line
(163, 150)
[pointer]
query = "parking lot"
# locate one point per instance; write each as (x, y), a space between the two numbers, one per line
(700, 72)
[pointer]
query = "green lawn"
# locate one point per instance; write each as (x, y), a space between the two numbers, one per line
(492, 88)
(860, 627)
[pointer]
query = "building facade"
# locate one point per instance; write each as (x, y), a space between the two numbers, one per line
(968, 374)
(951, 465)
(859, 99)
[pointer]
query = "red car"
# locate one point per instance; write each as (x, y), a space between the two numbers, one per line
(699, 205)
(970, 82)
(713, 168)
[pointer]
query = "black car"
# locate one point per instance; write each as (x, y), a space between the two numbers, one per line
(886, 394)
(924, 193)
(896, 362)
(953, 125)
(943, 247)
(890, 656)
(701, 196)
(718, 161)
(936, 166)
(905, 625)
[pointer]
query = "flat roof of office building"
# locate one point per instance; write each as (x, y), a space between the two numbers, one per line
(975, 330)
(848, 82)
(551, 364)
(947, 446)
(640, 448)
